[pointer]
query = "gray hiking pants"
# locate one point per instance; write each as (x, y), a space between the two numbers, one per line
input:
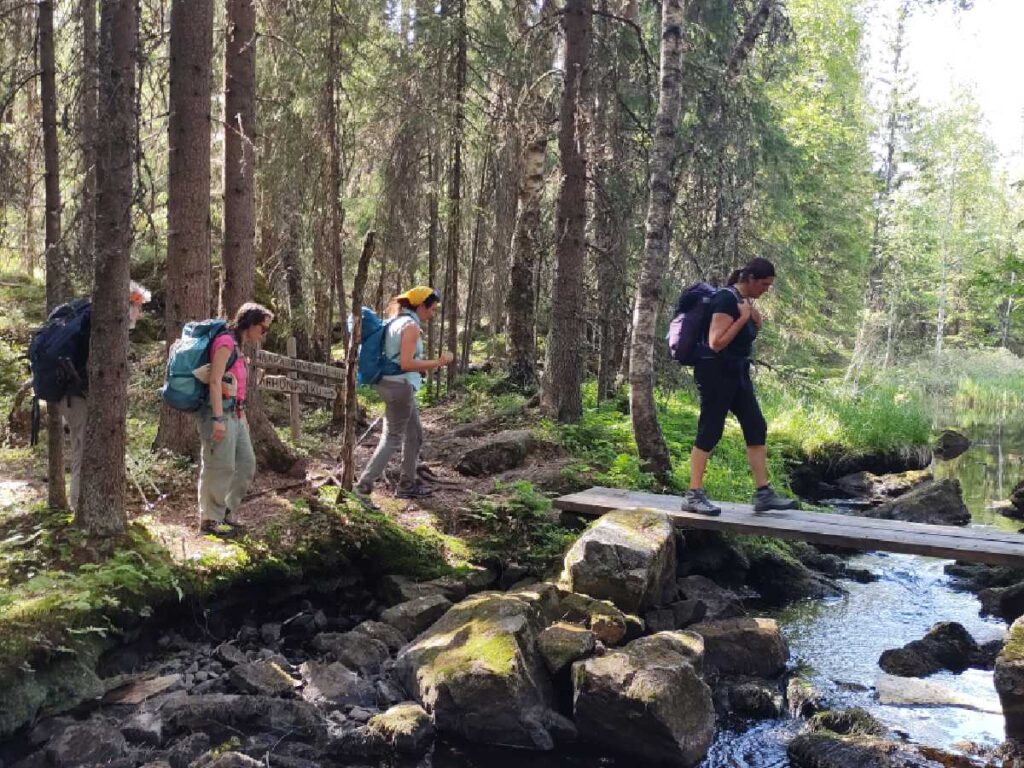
(226, 467)
(74, 417)
(401, 428)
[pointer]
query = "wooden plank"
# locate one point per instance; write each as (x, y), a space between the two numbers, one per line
(816, 527)
(299, 387)
(274, 362)
(613, 498)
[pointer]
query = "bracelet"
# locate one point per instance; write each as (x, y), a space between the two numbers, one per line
(219, 419)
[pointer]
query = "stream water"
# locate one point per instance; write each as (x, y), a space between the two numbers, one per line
(840, 640)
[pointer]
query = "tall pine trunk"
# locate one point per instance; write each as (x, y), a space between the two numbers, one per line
(87, 129)
(240, 207)
(101, 505)
(188, 193)
(455, 192)
(239, 154)
(647, 431)
(563, 371)
(55, 266)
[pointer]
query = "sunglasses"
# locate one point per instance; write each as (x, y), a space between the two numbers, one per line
(264, 329)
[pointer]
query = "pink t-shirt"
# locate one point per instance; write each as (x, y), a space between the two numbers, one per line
(227, 341)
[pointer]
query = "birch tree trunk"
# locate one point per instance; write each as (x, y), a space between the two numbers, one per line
(646, 429)
(563, 370)
(55, 263)
(188, 193)
(455, 194)
(101, 504)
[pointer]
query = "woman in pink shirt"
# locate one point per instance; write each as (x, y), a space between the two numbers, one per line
(228, 463)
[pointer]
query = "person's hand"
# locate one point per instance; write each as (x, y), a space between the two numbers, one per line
(745, 310)
(756, 316)
(219, 430)
(446, 358)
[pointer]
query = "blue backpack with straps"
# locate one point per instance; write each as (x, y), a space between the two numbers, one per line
(182, 390)
(373, 360)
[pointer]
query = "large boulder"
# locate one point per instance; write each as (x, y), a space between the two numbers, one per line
(90, 743)
(940, 502)
(477, 672)
(335, 685)
(406, 727)
(502, 452)
(950, 444)
(1005, 602)
(608, 623)
(264, 678)
(647, 700)
(1009, 681)
(719, 602)
(865, 485)
(748, 646)
(562, 643)
(356, 650)
(414, 616)
(946, 646)
(225, 715)
(628, 557)
(828, 750)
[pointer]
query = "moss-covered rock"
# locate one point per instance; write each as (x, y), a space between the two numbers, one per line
(940, 502)
(1009, 681)
(647, 700)
(848, 722)
(827, 750)
(561, 644)
(477, 672)
(628, 557)
(407, 728)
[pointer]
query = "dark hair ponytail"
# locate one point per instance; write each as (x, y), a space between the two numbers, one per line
(755, 269)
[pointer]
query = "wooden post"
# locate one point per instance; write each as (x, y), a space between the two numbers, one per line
(293, 399)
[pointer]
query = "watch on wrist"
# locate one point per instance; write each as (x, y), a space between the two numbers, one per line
(219, 419)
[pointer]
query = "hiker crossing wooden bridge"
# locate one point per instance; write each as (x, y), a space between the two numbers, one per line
(977, 545)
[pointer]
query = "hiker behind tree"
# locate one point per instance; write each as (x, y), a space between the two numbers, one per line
(723, 380)
(227, 461)
(404, 344)
(78, 389)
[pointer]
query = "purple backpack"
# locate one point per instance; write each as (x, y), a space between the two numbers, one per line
(688, 331)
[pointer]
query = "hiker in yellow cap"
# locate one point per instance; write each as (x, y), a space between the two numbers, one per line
(403, 343)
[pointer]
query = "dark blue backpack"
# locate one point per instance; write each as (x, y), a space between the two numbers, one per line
(59, 351)
(688, 332)
(373, 362)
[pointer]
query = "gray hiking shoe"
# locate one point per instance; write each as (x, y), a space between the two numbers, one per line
(415, 490)
(766, 499)
(696, 500)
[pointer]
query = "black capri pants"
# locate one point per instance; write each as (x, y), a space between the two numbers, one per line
(724, 385)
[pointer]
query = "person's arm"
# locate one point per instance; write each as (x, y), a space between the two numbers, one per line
(218, 365)
(724, 328)
(407, 353)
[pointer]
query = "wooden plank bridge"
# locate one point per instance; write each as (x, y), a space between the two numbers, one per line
(978, 545)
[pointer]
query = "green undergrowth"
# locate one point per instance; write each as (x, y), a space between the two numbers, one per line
(807, 420)
(56, 588)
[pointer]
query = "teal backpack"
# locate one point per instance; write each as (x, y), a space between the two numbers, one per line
(373, 362)
(182, 390)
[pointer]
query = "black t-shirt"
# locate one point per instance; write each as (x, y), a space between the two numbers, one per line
(725, 302)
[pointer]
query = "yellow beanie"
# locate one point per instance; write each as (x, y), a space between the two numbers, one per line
(416, 296)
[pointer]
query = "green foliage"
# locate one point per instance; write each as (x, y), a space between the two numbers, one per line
(516, 524)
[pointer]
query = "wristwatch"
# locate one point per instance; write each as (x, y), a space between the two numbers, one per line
(219, 419)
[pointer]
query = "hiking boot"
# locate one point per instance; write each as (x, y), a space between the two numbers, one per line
(416, 490)
(696, 500)
(224, 530)
(766, 499)
(363, 489)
